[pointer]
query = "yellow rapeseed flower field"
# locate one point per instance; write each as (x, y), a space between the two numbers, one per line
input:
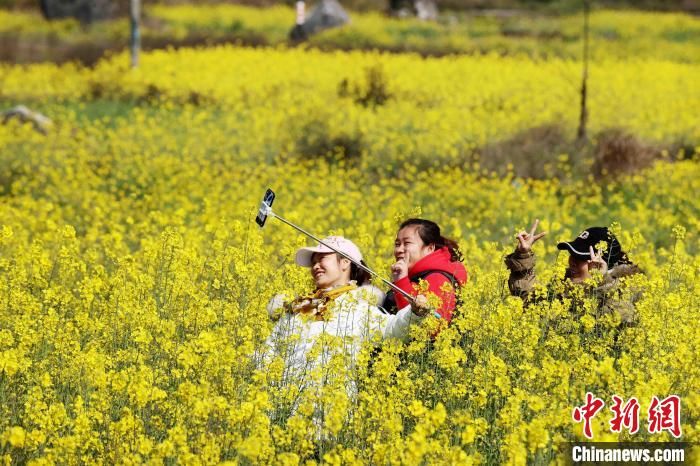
(134, 282)
(294, 99)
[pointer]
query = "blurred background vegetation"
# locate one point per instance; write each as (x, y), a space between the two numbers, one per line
(540, 29)
(453, 5)
(532, 30)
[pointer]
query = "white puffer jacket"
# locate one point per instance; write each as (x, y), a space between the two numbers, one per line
(353, 318)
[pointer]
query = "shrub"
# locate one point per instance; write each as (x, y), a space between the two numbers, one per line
(372, 93)
(618, 152)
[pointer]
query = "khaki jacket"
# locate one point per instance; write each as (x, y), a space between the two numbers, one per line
(522, 279)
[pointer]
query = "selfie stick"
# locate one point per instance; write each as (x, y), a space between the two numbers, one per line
(266, 210)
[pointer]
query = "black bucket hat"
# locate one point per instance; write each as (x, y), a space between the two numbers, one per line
(590, 237)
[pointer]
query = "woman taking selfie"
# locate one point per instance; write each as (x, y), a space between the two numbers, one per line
(343, 305)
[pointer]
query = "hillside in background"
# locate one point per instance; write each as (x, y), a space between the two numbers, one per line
(26, 37)
(452, 5)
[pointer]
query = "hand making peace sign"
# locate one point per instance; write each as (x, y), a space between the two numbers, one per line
(597, 261)
(526, 240)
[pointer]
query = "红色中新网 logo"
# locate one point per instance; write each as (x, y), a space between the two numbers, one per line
(662, 414)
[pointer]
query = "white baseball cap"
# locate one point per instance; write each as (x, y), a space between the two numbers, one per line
(347, 247)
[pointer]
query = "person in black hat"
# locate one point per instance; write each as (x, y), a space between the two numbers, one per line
(595, 248)
(583, 256)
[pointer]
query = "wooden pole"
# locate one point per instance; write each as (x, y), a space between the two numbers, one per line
(301, 13)
(583, 118)
(135, 43)
(298, 33)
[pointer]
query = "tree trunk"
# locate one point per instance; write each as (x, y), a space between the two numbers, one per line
(135, 14)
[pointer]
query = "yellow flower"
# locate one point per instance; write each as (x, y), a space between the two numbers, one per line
(16, 436)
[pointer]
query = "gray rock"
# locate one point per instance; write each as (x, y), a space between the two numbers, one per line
(426, 9)
(326, 14)
(41, 123)
(423, 9)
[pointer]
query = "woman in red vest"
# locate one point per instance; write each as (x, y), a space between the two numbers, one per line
(422, 253)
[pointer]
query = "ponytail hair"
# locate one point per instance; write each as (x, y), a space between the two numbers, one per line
(361, 277)
(358, 275)
(429, 233)
(613, 254)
